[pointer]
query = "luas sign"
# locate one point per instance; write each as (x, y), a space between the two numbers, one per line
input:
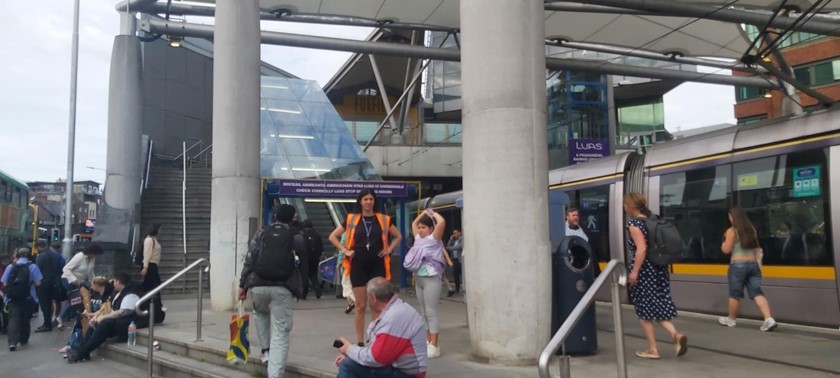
(582, 150)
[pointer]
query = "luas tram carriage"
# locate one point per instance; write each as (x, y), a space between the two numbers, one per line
(783, 172)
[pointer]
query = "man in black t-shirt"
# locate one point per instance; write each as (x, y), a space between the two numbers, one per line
(309, 261)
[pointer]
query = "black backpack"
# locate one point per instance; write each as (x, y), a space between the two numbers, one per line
(276, 259)
(665, 245)
(19, 283)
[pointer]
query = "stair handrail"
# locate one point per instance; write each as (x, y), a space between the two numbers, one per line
(144, 183)
(205, 149)
(184, 153)
(616, 270)
(146, 298)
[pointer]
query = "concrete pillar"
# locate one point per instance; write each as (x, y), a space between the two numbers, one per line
(505, 161)
(125, 119)
(236, 144)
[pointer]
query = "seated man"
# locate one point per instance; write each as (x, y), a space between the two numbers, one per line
(397, 339)
(113, 324)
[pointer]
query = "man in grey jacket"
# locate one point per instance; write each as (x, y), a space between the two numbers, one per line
(273, 299)
(455, 246)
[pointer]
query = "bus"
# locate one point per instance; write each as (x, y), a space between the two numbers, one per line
(15, 217)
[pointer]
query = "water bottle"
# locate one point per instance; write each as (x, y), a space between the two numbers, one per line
(132, 334)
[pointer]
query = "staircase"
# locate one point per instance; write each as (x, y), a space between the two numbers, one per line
(319, 214)
(161, 203)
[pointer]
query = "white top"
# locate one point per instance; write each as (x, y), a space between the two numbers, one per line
(129, 302)
(151, 251)
(79, 269)
(579, 232)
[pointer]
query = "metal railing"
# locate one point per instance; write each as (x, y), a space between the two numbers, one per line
(144, 183)
(204, 264)
(184, 153)
(618, 272)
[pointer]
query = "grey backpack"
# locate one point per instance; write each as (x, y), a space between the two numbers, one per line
(665, 245)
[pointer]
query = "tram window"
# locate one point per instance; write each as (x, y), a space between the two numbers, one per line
(697, 202)
(3, 188)
(593, 210)
(785, 198)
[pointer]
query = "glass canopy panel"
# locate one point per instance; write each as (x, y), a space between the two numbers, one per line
(302, 136)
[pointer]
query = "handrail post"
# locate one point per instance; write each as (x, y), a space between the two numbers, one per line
(151, 338)
(200, 304)
(620, 358)
(184, 214)
(616, 271)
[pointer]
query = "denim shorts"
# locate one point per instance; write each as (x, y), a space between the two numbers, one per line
(744, 274)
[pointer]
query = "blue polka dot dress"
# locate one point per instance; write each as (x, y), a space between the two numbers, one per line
(651, 296)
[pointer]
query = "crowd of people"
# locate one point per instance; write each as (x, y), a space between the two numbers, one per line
(282, 265)
(42, 282)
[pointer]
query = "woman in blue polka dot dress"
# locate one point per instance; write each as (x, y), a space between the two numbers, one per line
(650, 285)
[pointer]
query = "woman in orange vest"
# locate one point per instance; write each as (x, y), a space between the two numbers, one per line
(367, 253)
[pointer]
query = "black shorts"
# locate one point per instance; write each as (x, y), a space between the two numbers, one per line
(363, 270)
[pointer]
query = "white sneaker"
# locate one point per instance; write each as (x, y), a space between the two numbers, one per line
(264, 357)
(432, 351)
(725, 321)
(768, 325)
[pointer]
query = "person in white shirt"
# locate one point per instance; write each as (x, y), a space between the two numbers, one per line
(573, 227)
(79, 270)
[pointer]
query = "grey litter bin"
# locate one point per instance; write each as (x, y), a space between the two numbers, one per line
(572, 275)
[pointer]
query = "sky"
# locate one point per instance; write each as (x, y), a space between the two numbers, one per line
(35, 85)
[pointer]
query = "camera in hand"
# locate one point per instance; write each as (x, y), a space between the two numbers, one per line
(338, 343)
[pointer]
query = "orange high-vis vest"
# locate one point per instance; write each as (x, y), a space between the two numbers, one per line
(349, 242)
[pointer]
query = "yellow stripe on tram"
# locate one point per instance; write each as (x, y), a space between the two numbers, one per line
(798, 272)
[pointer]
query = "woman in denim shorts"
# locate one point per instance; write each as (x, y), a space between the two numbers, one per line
(741, 242)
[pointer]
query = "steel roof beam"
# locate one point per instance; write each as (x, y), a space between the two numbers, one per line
(421, 52)
(625, 51)
(134, 5)
(680, 9)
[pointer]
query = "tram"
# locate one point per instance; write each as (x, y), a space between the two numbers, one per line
(784, 172)
(14, 214)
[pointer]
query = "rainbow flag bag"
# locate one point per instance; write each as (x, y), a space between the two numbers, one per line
(239, 344)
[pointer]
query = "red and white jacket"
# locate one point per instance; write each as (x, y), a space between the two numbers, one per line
(397, 338)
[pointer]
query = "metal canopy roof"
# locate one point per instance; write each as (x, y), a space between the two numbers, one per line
(685, 35)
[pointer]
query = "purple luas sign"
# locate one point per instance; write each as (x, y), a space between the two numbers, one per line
(583, 150)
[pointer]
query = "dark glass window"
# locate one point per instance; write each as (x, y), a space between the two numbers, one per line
(594, 211)
(697, 202)
(745, 93)
(786, 199)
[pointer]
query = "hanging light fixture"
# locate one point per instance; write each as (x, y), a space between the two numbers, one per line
(768, 93)
(175, 41)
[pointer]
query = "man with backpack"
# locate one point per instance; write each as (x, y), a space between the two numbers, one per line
(310, 260)
(271, 273)
(20, 279)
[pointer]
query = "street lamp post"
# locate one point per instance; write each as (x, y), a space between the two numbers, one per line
(71, 139)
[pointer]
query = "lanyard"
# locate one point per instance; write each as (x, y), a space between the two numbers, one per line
(368, 229)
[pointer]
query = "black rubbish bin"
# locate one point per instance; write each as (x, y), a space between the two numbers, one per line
(572, 275)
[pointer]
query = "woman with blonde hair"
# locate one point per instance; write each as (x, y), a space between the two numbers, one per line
(741, 242)
(650, 285)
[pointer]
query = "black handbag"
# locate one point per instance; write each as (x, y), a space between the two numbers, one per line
(74, 298)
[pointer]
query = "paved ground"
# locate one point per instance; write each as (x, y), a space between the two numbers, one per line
(40, 359)
(715, 351)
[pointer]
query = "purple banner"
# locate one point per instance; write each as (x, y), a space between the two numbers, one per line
(583, 150)
(328, 189)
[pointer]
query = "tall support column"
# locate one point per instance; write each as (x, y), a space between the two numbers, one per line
(505, 158)
(235, 202)
(125, 122)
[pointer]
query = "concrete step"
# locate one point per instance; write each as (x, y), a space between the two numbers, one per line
(167, 364)
(213, 351)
